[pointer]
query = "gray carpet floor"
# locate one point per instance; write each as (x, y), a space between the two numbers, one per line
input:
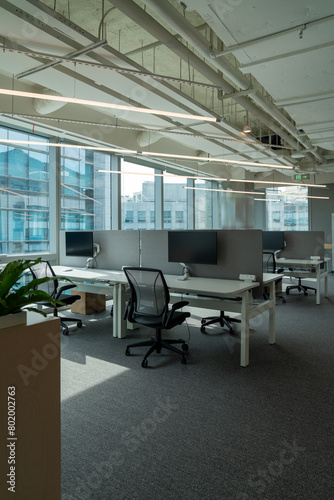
(209, 429)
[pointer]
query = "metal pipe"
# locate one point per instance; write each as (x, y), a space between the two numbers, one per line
(169, 14)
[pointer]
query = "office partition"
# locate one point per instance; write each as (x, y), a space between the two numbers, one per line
(118, 248)
(239, 252)
(303, 244)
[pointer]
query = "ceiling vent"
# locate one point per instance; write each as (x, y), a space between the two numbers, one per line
(274, 140)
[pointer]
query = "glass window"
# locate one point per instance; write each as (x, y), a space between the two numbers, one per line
(287, 210)
(137, 196)
(203, 205)
(175, 202)
(129, 216)
(85, 192)
(141, 216)
(167, 217)
(24, 197)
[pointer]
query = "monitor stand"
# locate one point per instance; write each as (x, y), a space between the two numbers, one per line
(186, 273)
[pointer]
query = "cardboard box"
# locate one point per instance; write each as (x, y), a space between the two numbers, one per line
(89, 303)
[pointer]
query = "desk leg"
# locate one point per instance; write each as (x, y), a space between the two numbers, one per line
(272, 313)
(244, 347)
(119, 324)
(326, 279)
(318, 285)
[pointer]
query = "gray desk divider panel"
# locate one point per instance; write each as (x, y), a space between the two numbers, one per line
(118, 248)
(239, 252)
(303, 244)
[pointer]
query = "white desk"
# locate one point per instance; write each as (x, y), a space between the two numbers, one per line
(302, 264)
(105, 282)
(207, 293)
(210, 293)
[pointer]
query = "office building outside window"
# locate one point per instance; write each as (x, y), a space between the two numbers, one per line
(137, 196)
(24, 195)
(175, 203)
(289, 211)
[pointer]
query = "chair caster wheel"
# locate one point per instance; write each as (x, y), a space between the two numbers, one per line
(287, 292)
(79, 324)
(185, 347)
(305, 293)
(127, 352)
(65, 331)
(184, 360)
(202, 329)
(144, 363)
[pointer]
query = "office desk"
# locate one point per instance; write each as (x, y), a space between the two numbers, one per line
(209, 293)
(101, 281)
(318, 273)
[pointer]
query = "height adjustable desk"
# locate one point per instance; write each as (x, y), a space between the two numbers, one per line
(212, 293)
(101, 281)
(304, 272)
(209, 293)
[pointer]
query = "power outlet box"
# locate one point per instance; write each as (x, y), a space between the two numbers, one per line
(247, 277)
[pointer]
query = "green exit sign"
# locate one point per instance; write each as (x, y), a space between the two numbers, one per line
(302, 177)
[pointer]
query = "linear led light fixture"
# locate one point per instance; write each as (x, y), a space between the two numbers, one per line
(266, 199)
(145, 153)
(215, 160)
(278, 183)
(81, 194)
(223, 190)
(120, 172)
(13, 192)
(296, 195)
(214, 179)
(259, 194)
(86, 102)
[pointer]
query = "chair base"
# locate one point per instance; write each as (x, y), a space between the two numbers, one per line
(156, 344)
(63, 325)
(300, 288)
(222, 320)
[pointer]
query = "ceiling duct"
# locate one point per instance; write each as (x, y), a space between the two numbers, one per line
(45, 106)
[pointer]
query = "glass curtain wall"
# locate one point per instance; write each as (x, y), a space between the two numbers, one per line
(137, 196)
(287, 212)
(175, 203)
(204, 204)
(24, 194)
(85, 192)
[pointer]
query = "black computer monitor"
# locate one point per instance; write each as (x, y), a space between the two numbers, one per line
(79, 243)
(273, 240)
(192, 247)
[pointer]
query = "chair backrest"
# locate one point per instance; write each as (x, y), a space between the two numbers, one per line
(149, 291)
(269, 262)
(42, 270)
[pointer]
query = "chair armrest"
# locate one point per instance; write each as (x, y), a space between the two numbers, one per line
(170, 312)
(63, 288)
(128, 311)
(179, 305)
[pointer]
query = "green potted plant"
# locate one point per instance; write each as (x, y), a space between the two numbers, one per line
(14, 297)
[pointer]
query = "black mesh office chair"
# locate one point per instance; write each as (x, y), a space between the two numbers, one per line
(269, 266)
(149, 306)
(44, 269)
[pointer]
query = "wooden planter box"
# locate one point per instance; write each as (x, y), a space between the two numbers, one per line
(30, 410)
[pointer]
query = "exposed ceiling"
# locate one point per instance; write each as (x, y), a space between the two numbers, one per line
(264, 64)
